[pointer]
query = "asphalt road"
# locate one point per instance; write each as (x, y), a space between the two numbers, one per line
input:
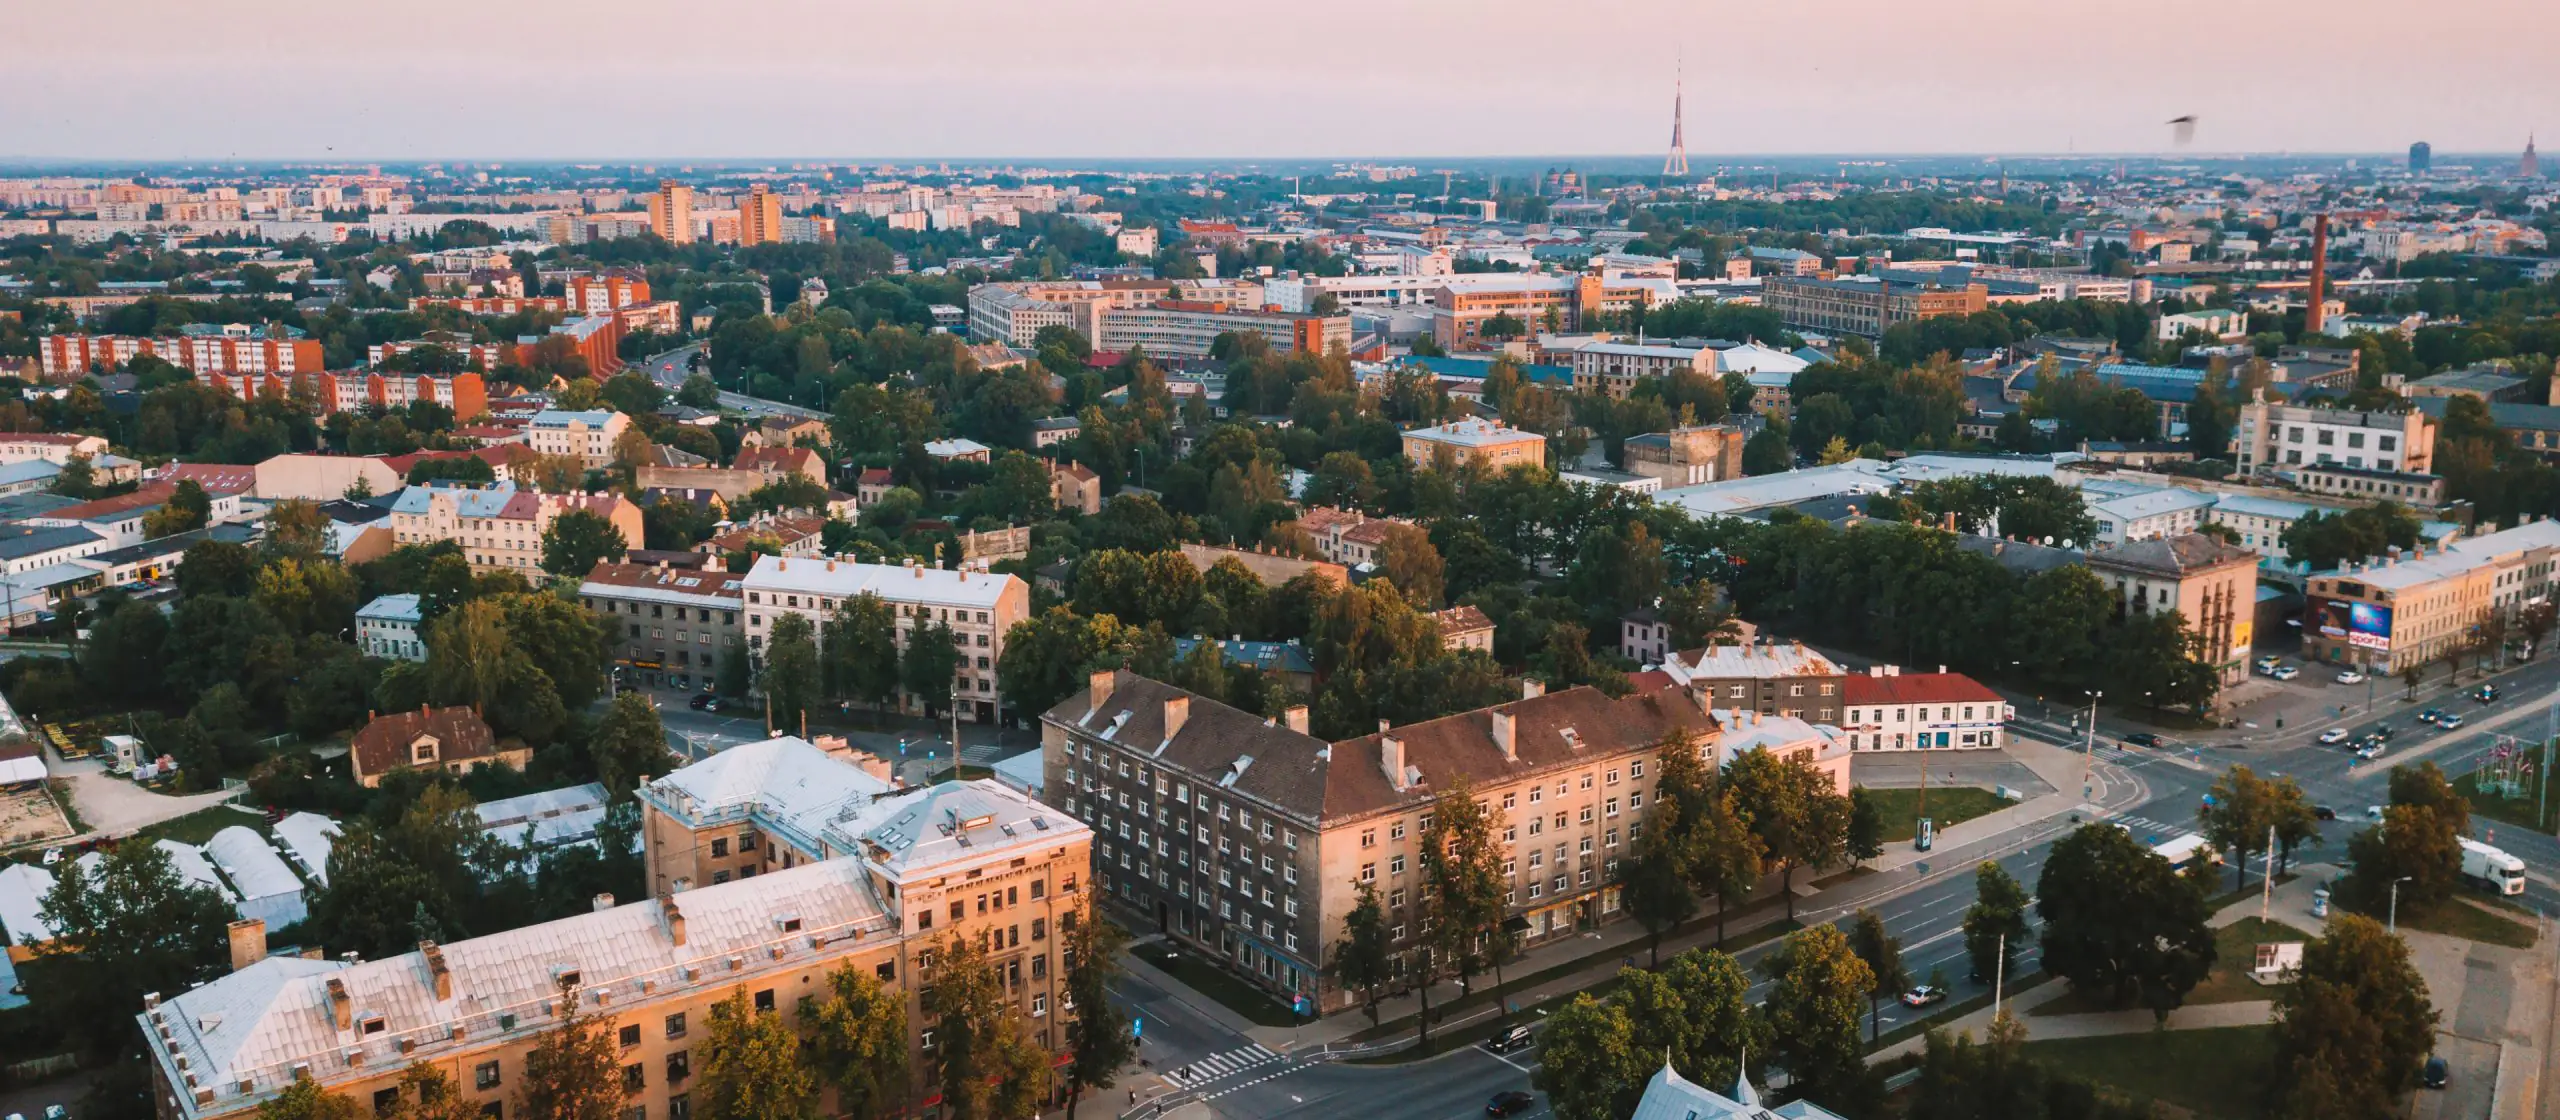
(671, 368)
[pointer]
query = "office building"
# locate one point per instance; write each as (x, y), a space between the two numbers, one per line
(1864, 305)
(1186, 329)
(977, 607)
(2406, 609)
(671, 212)
(2422, 157)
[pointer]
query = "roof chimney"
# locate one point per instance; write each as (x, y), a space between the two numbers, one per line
(675, 920)
(1295, 718)
(1099, 686)
(436, 969)
(1391, 760)
(1506, 735)
(1532, 688)
(342, 1008)
(1177, 711)
(248, 942)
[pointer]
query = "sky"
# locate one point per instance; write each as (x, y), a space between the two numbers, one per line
(1134, 79)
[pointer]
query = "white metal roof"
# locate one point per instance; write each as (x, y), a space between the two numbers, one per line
(253, 867)
(845, 579)
(308, 836)
(22, 890)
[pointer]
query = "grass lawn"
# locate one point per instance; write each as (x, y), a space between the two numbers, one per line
(1217, 983)
(1900, 808)
(199, 826)
(2458, 917)
(2513, 810)
(2213, 1073)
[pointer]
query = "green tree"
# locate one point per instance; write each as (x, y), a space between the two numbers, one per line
(574, 1072)
(1053, 655)
(577, 541)
(1463, 883)
(751, 1068)
(304, 1099)
(931, 661)
(1882, 954)
(1865, 838)
(1995, 926)
(78, 479)
(698, 391)
(1653, 882)
(1589, 1062)
(791, 673)
(1734, 858)
(188, 508)
(1813, 1020)
(428, 1093)
(861, 651)
(858, 1042)
(986, 1067)
(628, 744)
(131, 926)
(1408, 559)
(2120, 923)
(2353, 1027)
(1101, 1039)
(1800, 819)
(1364, 959)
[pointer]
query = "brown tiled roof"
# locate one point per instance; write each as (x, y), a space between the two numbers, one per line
(146, 497)
(1446, 748)
(1916, 688)
(460, 734)
(670, 577)
(1322, 519)
(788, 530)
(1370, 532)
(2180, 555)
(773, 458)
(1461, 619)
(1287, 770)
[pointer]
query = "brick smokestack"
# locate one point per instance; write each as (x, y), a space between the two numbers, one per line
(2314, 317)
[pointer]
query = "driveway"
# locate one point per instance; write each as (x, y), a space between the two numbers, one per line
(112, 806)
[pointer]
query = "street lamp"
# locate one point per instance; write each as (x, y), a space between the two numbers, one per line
(2394, 925)
(2089, 745)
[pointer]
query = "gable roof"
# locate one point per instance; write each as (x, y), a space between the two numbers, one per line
(461, 735)
(2180, 555)
(1916, 688)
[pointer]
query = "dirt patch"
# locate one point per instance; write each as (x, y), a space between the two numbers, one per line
(30, 817)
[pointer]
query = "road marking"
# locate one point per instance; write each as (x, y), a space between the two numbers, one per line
(1219, 1066)
(1506, 1060)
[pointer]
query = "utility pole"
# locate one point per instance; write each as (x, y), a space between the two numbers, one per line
(2550, 731)
(2089, 746)
(1999, 975)
(2267, 879)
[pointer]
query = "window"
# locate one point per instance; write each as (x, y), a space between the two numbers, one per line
(1395, 831)
(764, 1000)
(1613, 777)
(485, 1076)
(1395, 866)
(1612, 807)
(1635, 769)
(1537, 794)
(1368, 873)
(1510, 800)
(720, 848)
(1039, 929)
(629, 1036)
(1586, 813)
(1537, 825)
(679, 1066)
(1586, 781)
(1368, 838)
(1039, 1005)
(924, 919)
(1612, 838)
(385, 1100)
(635, 1077)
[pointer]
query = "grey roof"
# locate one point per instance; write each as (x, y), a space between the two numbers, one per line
(19, 541)
(556, 816)
(2022, 557)
(402, 607)
(2177, 556)
(2505, 414)
(22, 890)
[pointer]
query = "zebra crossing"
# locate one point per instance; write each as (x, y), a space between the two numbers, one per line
(2158, 832)
(1221, 1065)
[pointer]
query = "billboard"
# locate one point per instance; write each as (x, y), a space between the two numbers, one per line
(2362, 625)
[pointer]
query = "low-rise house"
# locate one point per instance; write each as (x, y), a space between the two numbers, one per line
(388, 627)
(587, 436)
(774, 463)
(28, 546)
(786, 536)
(455, 740)
(1890, 710)
(1073, 486)
(1464, 627)
(1054, 429)
(499, 525)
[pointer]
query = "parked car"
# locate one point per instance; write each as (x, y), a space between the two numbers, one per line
(2268, 664)
(2350, 677)
(1923, 996)
(2450, 721)
(2285, 673)
(2142, 739)
(1509, 1040)
(2333, 736)
(1509, 1102)
(2436, 1073)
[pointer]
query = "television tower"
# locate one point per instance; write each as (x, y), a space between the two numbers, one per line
(1677, 163)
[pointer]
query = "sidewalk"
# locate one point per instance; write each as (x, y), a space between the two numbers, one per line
(1604, 951)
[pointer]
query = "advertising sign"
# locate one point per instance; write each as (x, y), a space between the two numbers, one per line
(2362, 625)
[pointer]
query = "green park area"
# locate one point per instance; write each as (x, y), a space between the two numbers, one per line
(1901, 809)
(2216, 1074)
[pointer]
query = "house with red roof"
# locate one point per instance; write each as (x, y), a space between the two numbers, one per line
(1886, 709)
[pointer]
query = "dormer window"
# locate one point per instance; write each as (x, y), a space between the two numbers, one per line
(423, 751)
(373, 1024)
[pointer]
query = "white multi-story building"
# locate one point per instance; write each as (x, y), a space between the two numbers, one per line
(588, 435)
(2272, 437)
(388, 627)
(1615, 368)
(980, 608)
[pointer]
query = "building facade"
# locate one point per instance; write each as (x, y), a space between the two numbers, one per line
(498, 525)
(2274, 438)
(670, 627)
(671, 212)
(1890, 710)
(586, 436)
(2414, 608)
(1864, 306)
(1616, 368)
(1487, 442)
(979, 608)
(388, 627)
(2212, 585)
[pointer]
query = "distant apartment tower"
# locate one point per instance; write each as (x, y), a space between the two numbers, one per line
(2422, 157)
(671, 212)
(760, 217)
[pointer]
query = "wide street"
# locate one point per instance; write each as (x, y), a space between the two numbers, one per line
(671, 368)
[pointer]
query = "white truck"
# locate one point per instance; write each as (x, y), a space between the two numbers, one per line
(2488, 867)
(2187, 849)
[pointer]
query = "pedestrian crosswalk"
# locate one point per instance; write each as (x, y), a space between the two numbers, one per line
(2147, 829)
(1220, 1065)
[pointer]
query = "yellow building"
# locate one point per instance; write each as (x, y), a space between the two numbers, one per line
(760, 217)
(1475, 441)
(2393, 612)
(671, 212)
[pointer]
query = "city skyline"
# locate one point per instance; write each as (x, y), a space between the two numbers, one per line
(798, 79)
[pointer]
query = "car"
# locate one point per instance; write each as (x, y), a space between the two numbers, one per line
(706, 702)
(1509, 1040)
(2285, 673)
(1509, 1102)
(56, 1112)
(2369, 752)
(2382, 732)
(2142, 739)
(2323, 813)
(2435, 1074)
(2450, 721)
(2333, 736)
(2350, 677)
(2268, 664)
(2431, 715)
(2487, 693)
(1923, 996)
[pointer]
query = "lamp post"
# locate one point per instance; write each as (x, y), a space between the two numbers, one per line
(2089, 745)
(2394, 925)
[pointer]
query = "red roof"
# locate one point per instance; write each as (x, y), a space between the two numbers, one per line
(498, 456)
(216, 478)
(1916, 688)
(876, 476)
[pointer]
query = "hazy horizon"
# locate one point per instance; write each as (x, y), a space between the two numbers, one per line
(659, 81)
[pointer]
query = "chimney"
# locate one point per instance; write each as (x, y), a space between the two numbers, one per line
(1295, 717)
(436, 969)
(248, 942)
(342, 1008)
(1099, 686)
(603, 902)
(1506, 735)
(675, 920)
(1177, 711)
(1532, 688)
(1391, 760)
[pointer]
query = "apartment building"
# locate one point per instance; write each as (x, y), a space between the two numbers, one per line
(1185, 329)
(2213, 585)
(237, 349)
(979, 608)
(1615, 368)
(604, 294)
(2409, 488)
(388, 626)
(1890, 710)
(498, 525)
(1864, 305)
(874, 880)
(671, 212)
(2273, 438)
(587, 436)
(2413, 608)
(482, 356)
(998, 313)
(465, 393)
(760, 217)
(671, 627)
(1538, 303)
(596, 338)
(1779, 679)
(1488, 442)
